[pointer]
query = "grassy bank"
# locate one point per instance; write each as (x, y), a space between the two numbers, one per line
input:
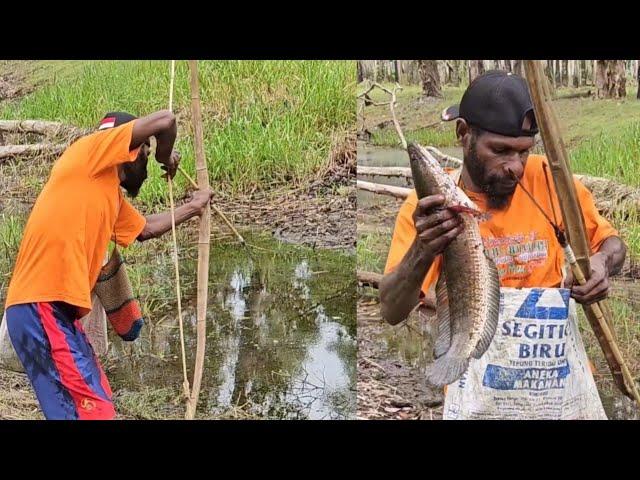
(602, 136)
(582, 120)
(265, 122)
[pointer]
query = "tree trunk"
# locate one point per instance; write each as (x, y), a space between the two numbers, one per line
(454, 71)
(610, 79)
(573, 78)
(518, 68)
(430, 78)
(638, 77)
(396, 71)
(578, 73)
(476, 68)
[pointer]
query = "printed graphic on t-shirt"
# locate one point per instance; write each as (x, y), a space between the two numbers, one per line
(516, 256)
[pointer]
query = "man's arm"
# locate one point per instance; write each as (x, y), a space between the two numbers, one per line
(160, 223)
(400, 289)
(607, 261)
(163, 126)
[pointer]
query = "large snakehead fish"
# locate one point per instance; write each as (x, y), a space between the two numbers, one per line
(468, 288)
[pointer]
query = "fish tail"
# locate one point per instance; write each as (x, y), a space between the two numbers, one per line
(446, 370)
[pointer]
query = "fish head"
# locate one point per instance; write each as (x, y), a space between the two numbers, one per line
(429, 178)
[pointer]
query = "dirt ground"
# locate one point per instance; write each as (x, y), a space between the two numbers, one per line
(389, 387)
(322, 213)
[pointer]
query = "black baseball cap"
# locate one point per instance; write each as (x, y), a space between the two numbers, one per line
(115, 119)
(498, 102)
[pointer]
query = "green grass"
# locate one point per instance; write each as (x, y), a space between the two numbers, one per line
(11, 227)
(413, 116)
(369, 251)
(265, 122)
(611, 156)
(630, 231)
(441, 136)
(581, 119)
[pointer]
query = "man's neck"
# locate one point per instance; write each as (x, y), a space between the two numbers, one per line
(468, 183)
(121, 174)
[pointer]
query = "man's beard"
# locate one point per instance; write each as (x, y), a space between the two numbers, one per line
(497, 197)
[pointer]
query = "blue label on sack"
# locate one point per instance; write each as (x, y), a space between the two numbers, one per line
(503, 378)
(545, 304)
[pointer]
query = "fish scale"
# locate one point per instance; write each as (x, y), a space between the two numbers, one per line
(468, 323)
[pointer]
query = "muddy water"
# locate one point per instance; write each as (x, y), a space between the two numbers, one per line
(280, 334)
(387, 157)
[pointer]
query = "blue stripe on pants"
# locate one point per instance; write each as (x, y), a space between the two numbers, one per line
(33, 347)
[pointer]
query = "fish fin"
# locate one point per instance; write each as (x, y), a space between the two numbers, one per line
(446, 370)
(493, 288)
(443, 330)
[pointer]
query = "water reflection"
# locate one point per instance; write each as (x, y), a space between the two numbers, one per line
(280, 340)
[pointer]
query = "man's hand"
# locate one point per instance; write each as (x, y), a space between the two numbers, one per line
(171, 166)
(160, 223)
(436, 227)
(200, 198)
(597, 287)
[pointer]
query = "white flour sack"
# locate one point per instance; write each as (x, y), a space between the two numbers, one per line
(535, 368)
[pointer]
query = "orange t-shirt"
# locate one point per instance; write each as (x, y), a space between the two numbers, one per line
(72, 221)
(519, 238)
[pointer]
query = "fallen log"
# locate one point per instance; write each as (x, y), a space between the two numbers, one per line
(13, 151)
(446, 161)
(630, 269)
(371, 279)
(574, 95)
(627, 291)
(41, 127)
(396, 192)
(612, 198)
(385, 171)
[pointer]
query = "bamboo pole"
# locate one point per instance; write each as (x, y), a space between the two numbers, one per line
(185, 380)
(203, 243)
(574, 221)
(604, 325)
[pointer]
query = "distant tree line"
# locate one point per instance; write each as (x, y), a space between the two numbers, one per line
(608, 77)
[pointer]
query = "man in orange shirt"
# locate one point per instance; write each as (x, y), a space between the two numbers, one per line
(80, 209)
(495, 125)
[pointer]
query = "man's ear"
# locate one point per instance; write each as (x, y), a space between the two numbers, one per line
(463, 132)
